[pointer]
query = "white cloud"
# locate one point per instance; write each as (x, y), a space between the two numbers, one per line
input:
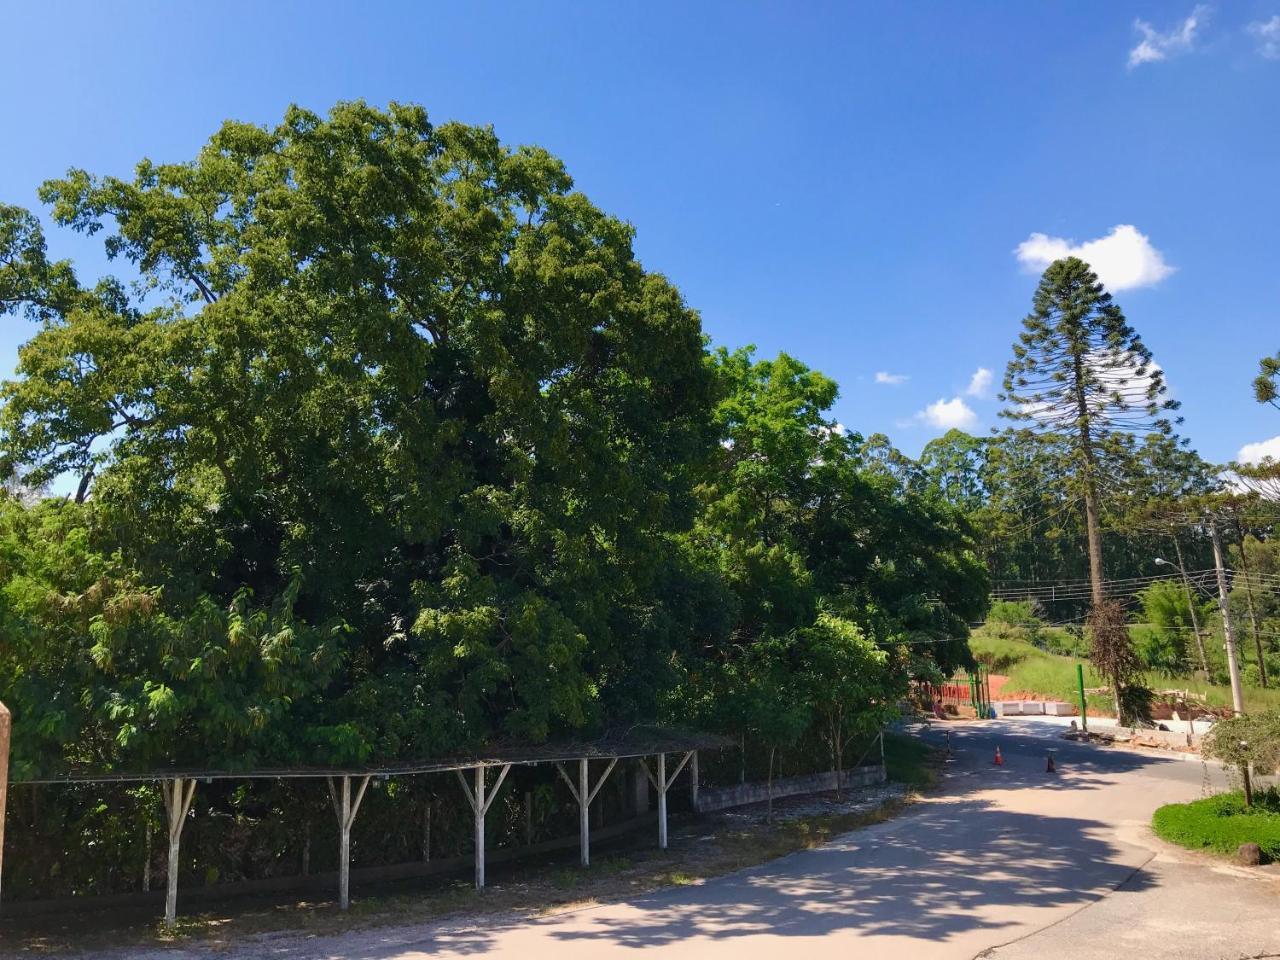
(892, 379)
(980, 382)
(1123, 260)
(1155, 46)
(949, 414)
(1257, 452)
(1268, 34)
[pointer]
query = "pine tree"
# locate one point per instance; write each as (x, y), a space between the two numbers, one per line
(1081, 373)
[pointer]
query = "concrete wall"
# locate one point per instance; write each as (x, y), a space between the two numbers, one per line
(722, 798)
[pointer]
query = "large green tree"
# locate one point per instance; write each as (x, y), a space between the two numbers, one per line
(824, 547)
(401, 370)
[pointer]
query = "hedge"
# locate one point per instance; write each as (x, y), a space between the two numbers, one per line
(1221, 823)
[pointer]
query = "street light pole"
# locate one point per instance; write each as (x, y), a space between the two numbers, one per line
(1233, 667)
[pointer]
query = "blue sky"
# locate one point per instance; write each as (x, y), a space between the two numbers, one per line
(851, 183)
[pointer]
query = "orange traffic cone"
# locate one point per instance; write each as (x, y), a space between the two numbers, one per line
(999, 760)
(1049, 767)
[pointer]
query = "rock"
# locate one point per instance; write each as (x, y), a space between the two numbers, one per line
(1249, 854)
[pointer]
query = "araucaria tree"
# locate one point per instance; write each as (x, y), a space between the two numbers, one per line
(1080, 373)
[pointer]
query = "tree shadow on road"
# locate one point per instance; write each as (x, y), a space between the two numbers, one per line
(963, 866)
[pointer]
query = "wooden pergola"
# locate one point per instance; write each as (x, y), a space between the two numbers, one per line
(347, 787)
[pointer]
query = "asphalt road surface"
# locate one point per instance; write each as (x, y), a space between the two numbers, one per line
(1007, 862)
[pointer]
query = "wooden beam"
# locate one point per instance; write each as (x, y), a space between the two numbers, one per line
(178, 794)
(465, 789)
(6, 726)
(693, 782)
(565, 777)
(686, 759)
(603, 777)
(497, 785)
(644, 765)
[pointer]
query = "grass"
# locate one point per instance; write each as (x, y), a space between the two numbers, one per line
(909, 761)
(1042, 673)
(1221, 823)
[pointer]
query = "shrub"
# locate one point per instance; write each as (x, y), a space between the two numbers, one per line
(1251, 739)
(1221, 823)
(1158, 650)
(1013, 613)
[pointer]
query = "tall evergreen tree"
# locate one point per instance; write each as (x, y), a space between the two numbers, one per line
(1081, 373)
(1266, 387)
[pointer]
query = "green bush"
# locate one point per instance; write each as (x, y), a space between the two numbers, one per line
(1012, 613)
(1221, 823)
(1253, 738)
(1159, 650)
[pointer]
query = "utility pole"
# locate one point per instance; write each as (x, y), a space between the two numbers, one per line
(1191, 607)
(1233, 668)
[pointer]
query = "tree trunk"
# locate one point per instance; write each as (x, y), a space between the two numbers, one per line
(1092, 523)
(837, 748)
(306, 847)
(146, 856)
(768, 817)
(426, 832)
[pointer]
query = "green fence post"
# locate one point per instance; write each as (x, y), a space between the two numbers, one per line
(1084, 704)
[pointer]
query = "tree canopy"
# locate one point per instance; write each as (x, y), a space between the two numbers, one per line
(388, 446)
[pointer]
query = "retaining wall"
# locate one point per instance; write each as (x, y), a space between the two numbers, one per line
(722, 798)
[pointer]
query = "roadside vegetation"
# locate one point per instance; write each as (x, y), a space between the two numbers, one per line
(383, 446)
(1040, 661)
(380, 444)
(1222, 823)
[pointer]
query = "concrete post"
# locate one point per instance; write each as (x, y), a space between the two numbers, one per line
(479, 826)
(178, 794)
(480, 806)
(662, 801)
(346, 809)
(584, 810)
(6, 726)
(639, 788)
(1228, 634)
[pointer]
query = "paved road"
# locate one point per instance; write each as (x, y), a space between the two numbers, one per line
(1009, 863)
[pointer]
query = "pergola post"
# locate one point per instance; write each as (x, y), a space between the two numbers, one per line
(662, 801)
(479, 807)
(584, 794)
(662, 783)
(345, 810)
(178, 794)
(6, 724)
(584, 806)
